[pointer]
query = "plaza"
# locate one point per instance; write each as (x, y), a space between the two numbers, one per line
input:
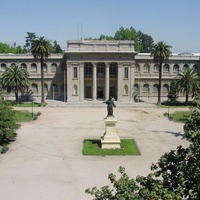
(46, 162)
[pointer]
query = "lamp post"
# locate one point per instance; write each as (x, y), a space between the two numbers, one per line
(64, 88)
(32, 108)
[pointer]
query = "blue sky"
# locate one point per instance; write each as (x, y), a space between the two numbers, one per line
(176, 22)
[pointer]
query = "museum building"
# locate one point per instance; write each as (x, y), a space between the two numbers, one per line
(98, 69)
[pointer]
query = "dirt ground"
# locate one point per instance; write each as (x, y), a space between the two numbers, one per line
(46, 162)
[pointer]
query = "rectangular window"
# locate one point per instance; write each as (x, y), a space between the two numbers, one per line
(75, 72)
(126, 72)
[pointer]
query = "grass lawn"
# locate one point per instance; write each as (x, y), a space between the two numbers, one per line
(28, 104)
(180, 116)
(23, 116)
(92, 147)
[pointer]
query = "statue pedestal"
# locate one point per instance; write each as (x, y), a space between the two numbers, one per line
(110, 139)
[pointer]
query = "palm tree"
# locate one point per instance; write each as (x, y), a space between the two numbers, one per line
(187, 83)
(160, 52)
(41, 48)
(15, 79)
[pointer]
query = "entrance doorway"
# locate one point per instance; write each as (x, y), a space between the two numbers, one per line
(88, 92)
(113, 93)
(100, 92)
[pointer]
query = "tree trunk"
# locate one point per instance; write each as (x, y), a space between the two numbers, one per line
(42, 79)
(16, 95)
(159, 84)
(186, 99)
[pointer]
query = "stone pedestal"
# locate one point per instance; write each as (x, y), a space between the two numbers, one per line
(110, 139)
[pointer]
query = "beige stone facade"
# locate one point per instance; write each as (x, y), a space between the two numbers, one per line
(95, 70)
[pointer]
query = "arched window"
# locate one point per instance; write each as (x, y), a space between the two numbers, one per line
(137, 68)
(3, 67)
(34, 88)
(33, 68)
(155, 88)
(23, 65)
(45, 67)
(196, 68)
(113, 69)
(165, 88)
(45, 88)
(136, 87)
(54, 67)
(176, 68)
(126, 90)
(75, 90)
(88, 69)
(166, 68)
(145, 88)
(156, 68)
(146, 68)
(185, 67)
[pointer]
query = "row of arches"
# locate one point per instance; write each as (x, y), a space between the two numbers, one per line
(146, 88)
(166, 68)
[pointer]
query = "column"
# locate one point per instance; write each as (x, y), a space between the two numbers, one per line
(81, 82)
(107, 85)
(132, 77)
(119, 82)
(94, 84)
(69, 81)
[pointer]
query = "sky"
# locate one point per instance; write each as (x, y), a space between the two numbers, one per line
(176, 22)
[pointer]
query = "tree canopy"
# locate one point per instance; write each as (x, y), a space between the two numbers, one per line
(15, 79)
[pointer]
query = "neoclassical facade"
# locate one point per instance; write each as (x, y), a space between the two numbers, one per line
(95, 70)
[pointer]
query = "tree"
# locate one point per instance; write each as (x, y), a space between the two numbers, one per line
(8, 126)
(29, 39)
(160, 52)
(175, 176)
(56, 48)
(15, 79)
(187, 83)
(173, 92)
(145, 41)
(41, 48)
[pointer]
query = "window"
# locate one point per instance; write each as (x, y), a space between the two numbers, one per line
(88, 69)
(166, 68)
(137, 68)
(33, 68)
(146, 68)
(165, 88)
(113, 69)
(34, 88)
(155, 88)
(156, 68)
(54, 67)
(101, 70)
(196, 68)
(45, 67)
(176, 68)
(145, 88)
(23, 65)
(75, 72)
(3, 67)
(126, 72)
(185, 67)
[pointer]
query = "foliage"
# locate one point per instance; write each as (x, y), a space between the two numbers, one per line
(23, 116)
(175, 176)
(173, 93)
(56, 48)
(160, 52)
(187, 83)
(93, 147)
(6, 48)
(8, 126)
(143, 42)
(41, 48)
(15, 79)
(29, 39)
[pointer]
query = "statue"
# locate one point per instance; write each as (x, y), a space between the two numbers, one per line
(110, 105)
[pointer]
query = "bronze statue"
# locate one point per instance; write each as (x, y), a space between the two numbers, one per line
(110, 105)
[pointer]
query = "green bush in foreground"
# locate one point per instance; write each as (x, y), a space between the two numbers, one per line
(8, 125)
(175, 176)
(93, 147)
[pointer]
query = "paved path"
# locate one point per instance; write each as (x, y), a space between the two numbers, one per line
(46, 162)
